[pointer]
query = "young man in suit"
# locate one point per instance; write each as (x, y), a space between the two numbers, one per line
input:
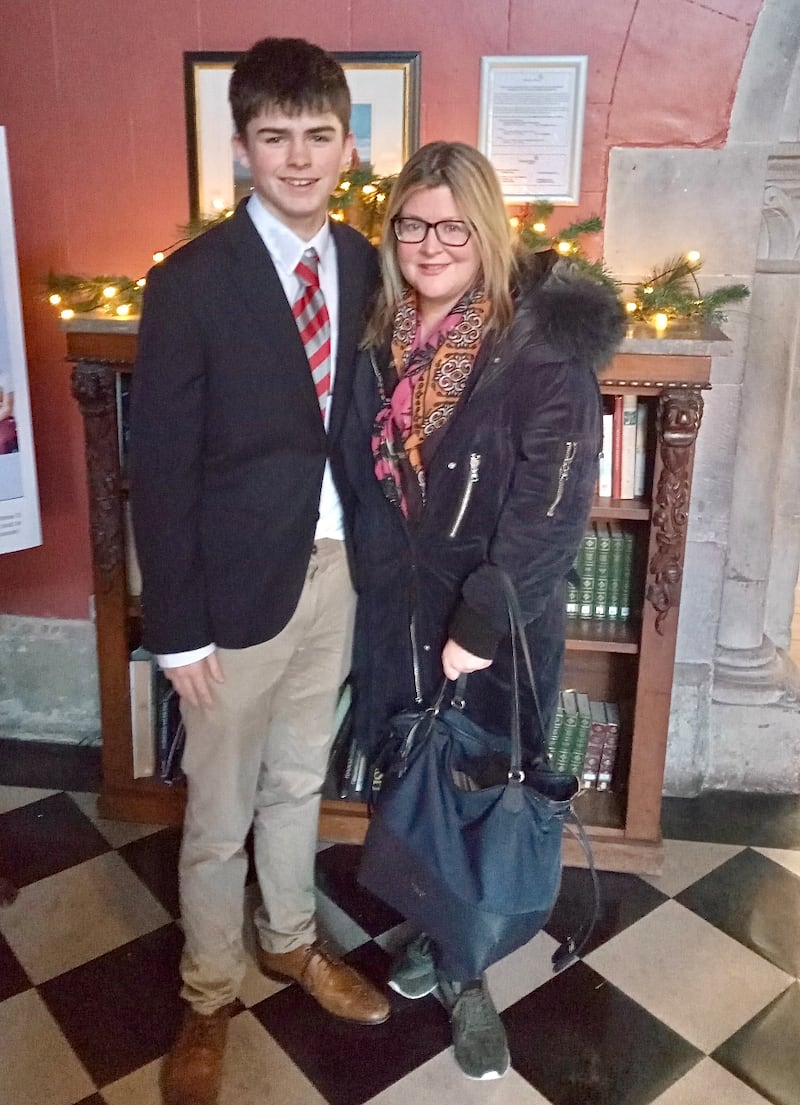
(247, 597)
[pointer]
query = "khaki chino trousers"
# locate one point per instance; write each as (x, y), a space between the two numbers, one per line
(259, 757)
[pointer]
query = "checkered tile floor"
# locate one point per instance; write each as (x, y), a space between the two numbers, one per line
(688, 994)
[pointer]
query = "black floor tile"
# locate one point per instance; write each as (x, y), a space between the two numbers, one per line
(122, 1010)
(623, 900)
(349, 1063)
(580, 1041)
(732, 817)
(95, 1099)
(336, 877)
(13, 979)
(44, 837)
(154, 858)
(757, 902)
(49, 765)
(765, 1053)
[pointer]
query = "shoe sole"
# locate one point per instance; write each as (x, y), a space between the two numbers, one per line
(411, 997)
(488, 1076)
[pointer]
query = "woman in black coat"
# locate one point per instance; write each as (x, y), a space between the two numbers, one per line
(471, 447)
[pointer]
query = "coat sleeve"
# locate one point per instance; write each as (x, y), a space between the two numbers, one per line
(545, 512)
(167, 435)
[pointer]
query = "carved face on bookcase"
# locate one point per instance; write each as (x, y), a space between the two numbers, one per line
(680, 417)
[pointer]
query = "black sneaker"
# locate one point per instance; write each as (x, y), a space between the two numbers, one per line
(413, 973)
(479, 1038)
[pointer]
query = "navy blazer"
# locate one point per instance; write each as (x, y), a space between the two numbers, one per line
(227, 445)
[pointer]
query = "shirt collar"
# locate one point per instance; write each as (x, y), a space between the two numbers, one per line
(285, 247)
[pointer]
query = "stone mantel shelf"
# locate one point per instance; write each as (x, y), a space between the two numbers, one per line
(681, 339)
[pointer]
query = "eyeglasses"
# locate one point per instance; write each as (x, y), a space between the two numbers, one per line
(450, 232)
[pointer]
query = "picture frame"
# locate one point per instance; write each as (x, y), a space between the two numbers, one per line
(385, 89)
(531, 125)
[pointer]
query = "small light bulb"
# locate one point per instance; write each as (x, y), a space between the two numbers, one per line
(140, 283)
(380, 198)
(345, 186)
(660, 321)
(55, 299)
(218, 203)
(158, 257)
(539, 228)
(513, 222)
(564, 247)
(630, 306)
(648, 290)
(110, 291)
(123, 310)
(337, 216)
(229, 212)
(368, 189)
(67, 313)
(693, 256)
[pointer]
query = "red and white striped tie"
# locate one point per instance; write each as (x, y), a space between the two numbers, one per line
(314, 324)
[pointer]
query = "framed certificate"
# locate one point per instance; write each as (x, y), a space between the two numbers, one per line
(531, 125)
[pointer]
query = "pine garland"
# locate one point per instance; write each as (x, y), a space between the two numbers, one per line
(670, 291)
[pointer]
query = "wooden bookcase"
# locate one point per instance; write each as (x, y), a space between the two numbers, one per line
(630, 663)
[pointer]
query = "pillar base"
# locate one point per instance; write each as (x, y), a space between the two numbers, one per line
(756, 677)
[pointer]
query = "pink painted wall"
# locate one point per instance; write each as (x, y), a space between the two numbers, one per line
(92, 99)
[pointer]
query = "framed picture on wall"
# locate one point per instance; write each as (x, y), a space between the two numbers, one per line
(531, 125)
(384, 88)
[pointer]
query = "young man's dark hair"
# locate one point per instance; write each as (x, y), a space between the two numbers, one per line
(291, 74)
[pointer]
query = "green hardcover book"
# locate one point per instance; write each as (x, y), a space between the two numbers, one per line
(617, 539)
(569, 737)
(601, 569)
(578, 754)
(557, 730)
(626, 573)
(589, 564)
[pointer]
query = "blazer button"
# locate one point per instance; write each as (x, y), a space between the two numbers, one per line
(451, 464)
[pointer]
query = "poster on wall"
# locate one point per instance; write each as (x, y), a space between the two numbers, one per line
(20, 524)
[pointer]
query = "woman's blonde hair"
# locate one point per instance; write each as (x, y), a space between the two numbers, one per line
(476, 191)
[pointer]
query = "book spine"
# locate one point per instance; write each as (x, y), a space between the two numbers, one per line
(628, 454)
(626, 573)
(132, 571)
(582, 737)
(588, 574)
(600, 605)
(640, 464)
(573, 585)
(594, 747)
(142, 684)
(616, 541)
(616, 449)
(570, 732)
(604, 482)
(608, 758)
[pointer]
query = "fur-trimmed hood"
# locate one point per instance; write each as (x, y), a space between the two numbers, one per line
(563, 313)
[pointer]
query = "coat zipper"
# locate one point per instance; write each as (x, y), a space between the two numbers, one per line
(563, 475)
(474, 467)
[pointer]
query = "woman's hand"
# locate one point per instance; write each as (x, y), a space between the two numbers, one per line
(457, 661)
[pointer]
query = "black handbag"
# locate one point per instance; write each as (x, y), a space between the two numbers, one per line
(464, 838)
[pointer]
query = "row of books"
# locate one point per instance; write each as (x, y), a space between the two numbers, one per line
(585, 739)
(600, 584)
(623, 466)
(157, 730)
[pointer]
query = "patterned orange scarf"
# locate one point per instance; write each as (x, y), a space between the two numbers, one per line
(430, 381)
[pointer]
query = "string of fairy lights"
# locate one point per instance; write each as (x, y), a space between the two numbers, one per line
(669, 293)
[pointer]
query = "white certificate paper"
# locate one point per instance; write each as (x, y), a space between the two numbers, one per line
(531, 126)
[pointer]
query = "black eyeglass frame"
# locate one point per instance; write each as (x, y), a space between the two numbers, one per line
(428, 226)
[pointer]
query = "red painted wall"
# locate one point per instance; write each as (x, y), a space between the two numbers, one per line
(92, 99)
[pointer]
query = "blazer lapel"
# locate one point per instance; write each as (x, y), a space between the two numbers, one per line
(351, 308)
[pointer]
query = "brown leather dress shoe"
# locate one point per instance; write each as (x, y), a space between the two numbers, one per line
(338, 988)
(193, 1070)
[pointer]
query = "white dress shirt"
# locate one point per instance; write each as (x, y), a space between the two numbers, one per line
(286, 250)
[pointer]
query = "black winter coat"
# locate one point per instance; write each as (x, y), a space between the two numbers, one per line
(509, 486)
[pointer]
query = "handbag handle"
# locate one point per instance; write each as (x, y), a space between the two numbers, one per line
(518, 641)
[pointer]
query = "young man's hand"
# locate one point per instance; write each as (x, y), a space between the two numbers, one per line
(193, 681)
(457, 661)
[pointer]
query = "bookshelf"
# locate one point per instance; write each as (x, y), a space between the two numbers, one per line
(630, 663)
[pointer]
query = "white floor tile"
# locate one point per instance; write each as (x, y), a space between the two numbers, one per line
(440, 1082)
(116, 833)
(699, 981)
(38, 1066)
(69, 918)
(522, 971)
(686, 861)
(709, 1084)
(786, 857)
(13, 798)
(259, 1072)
